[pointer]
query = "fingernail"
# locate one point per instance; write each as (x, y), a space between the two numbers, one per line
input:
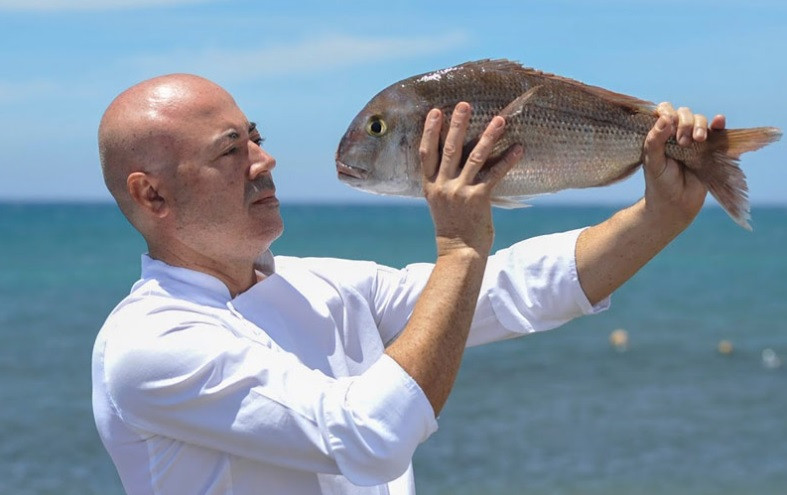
(461, 108)
(498, 122)
(700, 134)
(684, 140)
(434, 114)
(518, 150)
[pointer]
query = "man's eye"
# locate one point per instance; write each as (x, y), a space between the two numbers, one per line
(231, 151)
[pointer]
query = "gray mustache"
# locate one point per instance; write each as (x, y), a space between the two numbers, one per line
(262, 183)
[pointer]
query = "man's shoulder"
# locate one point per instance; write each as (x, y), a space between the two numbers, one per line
(149, 323)
(149, 310)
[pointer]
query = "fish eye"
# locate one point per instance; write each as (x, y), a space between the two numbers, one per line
(376, 126)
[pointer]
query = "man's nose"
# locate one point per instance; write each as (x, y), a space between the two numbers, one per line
(261, 161)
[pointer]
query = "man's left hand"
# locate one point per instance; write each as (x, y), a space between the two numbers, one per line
(672, 192)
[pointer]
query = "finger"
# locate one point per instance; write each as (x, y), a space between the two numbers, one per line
(719, 122)
(655, 161)
(700, 128)
(430, 143)
(482, 149)
(685, 126)
(500, 169)
(665, 109)
(452, 149)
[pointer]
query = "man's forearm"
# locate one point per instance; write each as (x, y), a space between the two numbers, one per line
(610, 253)
(430, 347)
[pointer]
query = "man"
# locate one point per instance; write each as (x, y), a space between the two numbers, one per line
(226, 371)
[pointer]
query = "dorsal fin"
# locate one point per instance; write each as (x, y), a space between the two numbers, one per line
(629, 102)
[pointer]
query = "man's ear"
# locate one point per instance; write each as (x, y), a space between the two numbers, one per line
(144, 191)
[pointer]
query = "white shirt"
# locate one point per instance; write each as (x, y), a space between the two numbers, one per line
(285, 389)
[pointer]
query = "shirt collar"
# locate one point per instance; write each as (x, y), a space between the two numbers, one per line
(194, 285)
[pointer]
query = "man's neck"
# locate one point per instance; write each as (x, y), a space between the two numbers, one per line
(238, 275)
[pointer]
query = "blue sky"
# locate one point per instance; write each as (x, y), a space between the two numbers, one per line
(303, 69)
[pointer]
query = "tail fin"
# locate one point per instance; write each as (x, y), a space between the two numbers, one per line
(720, 172)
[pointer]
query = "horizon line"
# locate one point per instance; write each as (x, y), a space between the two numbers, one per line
(379, 201)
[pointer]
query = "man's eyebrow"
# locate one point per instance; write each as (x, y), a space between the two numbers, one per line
(233, 135)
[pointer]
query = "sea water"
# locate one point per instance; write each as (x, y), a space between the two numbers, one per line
(561, 412)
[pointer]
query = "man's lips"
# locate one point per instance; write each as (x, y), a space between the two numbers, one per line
(266, 197)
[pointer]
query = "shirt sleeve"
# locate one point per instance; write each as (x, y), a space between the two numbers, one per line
(200, 384)
(529, 287)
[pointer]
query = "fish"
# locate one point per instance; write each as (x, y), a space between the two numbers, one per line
(575, 135)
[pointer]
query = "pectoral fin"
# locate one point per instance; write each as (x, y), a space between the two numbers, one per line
(518, 104)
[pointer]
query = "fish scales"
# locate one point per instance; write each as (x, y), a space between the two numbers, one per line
(569, 147)
(574, 135)
(600, 134)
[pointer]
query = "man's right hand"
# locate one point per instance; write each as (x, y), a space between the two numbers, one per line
(430, 347)
(459, 200)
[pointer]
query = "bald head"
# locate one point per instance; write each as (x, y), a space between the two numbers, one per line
(140, 130)
(186, 168)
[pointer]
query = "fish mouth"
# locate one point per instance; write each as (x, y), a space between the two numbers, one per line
(352, 174)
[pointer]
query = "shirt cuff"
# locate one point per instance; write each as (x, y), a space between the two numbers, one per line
(579, 295)
(389, 390)
(383, 417)
(537, 284)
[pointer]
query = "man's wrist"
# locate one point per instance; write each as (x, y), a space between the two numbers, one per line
(460, 250)
(664, 217)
